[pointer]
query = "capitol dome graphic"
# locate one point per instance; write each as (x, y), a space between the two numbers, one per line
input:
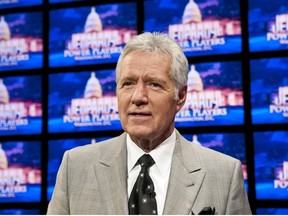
(192, 13)
(93, 22)
(5, 33)
(3, 159)
(4, 95)
(195, 140)
(195, 82)
(93, 87)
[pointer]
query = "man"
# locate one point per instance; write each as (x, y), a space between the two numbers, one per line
(151, 77)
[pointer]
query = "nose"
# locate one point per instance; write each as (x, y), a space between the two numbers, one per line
(140, 96)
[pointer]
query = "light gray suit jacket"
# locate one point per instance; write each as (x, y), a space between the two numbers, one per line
(92, 179)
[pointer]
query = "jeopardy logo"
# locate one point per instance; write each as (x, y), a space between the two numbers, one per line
(280, 102)
(282, 174)
(196, 34)
(279, 29)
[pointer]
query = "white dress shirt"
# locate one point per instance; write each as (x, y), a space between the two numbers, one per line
(159, 172)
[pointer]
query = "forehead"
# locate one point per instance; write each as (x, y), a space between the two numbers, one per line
(136, 55)
(151, 63)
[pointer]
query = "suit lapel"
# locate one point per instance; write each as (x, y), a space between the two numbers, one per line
(185, 181)
(111, 174)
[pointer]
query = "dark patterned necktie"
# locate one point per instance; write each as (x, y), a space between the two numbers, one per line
(142, 199)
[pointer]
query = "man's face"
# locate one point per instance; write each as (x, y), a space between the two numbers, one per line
(146, 96)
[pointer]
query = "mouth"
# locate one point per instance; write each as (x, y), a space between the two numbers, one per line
(139, 114)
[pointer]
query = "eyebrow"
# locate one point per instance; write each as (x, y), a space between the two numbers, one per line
(149, 78)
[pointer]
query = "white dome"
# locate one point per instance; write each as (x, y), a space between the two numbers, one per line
(5, 33)
(195, 140)
(192, 13)
(93, 87)
(3, 159)
(93, 22)
(4, 95)
(194, 80)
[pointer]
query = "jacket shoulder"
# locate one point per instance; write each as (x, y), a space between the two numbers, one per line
(97, 149)
(208, 158)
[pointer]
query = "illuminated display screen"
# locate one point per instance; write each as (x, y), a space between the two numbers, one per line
(20, 172)
(232, 144)
(215, 95)
(268, 25)
(21, 45)
(83, 101)
(201, 27)
(55, 155)
(271, 164)
(58, 1)
(269, 90)
(20, 105)
(20, 212)
(90, 35)
(272, 211)
(18, 3)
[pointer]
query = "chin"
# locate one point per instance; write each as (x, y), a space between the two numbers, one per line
(139, 132)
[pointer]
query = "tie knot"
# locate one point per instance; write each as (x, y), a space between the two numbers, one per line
(146, 161)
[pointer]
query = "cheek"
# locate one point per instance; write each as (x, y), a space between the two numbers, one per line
(120, 105)
(167, 107)
(123, 102)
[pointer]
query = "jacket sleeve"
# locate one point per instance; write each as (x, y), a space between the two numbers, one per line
(237, 202)
(59, 204)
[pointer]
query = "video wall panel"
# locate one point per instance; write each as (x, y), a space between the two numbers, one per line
(60, 1)
(268, 28)
(90, 35)
(215, 95)
(20, 173)
(21, 41)
(83, 101)
(20, 105)
(20, 212)
(19, 3)
(269, 90)
(201, 27)
(272, 211)
(271, 165)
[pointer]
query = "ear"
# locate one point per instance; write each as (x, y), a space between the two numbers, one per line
(181, 97)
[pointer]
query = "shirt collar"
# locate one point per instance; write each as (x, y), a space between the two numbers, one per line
(162, 154)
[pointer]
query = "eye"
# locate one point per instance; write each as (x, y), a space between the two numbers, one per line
(155, 85)
(127, 84)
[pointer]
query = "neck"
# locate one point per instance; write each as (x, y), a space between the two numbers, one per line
(147, 144)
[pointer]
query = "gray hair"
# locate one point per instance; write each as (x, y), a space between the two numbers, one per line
(161, 44)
